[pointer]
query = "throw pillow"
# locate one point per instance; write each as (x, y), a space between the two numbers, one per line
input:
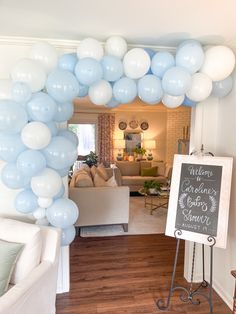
(102, 172)
(99, 181)
(83, 179)
(149, 172)
(9, 253)
(93, 171)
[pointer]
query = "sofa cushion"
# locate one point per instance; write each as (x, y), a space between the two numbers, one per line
(102, 172)
(149, 172)
(83, 179)
(139, 181)
(161, 167)
(129, 168)
(145, 164)
(99, 181)
(30, 235)
(9, 252)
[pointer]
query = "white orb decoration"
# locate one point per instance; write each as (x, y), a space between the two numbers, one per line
(90, 48)
(30, 72)
(42, 222)
(219, 62)
(45, 202)
(45, 54)
(116, 46)
(36, 135)
(100, 93)
(39, 213)
(5, 89)
(136, 63)
(47, 184)
(201, 87)
(172, 101)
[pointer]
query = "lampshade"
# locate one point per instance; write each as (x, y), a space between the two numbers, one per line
(119, 144)
(150, 144)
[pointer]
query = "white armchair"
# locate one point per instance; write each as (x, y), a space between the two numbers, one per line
(36, 293)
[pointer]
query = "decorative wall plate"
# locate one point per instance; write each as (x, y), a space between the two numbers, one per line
(144, 125)
(122, 125)
(133, 124)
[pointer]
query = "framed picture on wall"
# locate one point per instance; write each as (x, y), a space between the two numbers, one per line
(199, 199)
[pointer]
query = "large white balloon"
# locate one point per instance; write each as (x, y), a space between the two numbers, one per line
(136, 63)
(219, 62)
(172, 101)
(36, 135)
(47, 184)
(116, 46)
(45, 202)
(46, 54)
(90, 48)
(100, 93)
(201, 87)
(5, 89)
(30, 72)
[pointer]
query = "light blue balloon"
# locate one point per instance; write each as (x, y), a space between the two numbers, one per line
(125, 90)
(112, 68)
(176, 81)
(11, 146)
(83, 90)
(88, 71)
(62, 85)
(161, 62)
(67, 235)
(26, 201)
(61, 193)
(30, 162)
(190, 56)
(150, 52)
(67, 62)
(63, 172)
(21, 92)
(112, 103)
(62, 213)
(222, 88)
(150, 89)
(188, 102)
(71, 136)
(52, 127)
(60, 153)
(64, 111)
(41, 107)
(13, 116)
(13, 178)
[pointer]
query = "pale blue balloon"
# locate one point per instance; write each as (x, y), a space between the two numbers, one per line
(62, 213)
(13, 116)
(176, 81)
(112, 68)
(67, 235)
(222, 88)
(161, 62)
(190, 55)
(112, 103)
(64, 111)
(11, 146)
(62, 85)
(67, 62)
(83, 90)
(125, 90)
(71, 136)
(63, 172)
(26, 201)
(60, 153)
(150, 89)
(150, 52)
(88, 71)
(41, 107)
(61, 193)
(52, 127)
(188, 102)
(13, 178)
(21, 92)
(30, 162)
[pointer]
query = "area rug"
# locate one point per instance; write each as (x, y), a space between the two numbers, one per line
(140, 222)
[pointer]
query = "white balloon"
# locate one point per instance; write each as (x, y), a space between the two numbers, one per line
(47, 184)
(136, 63)
(5, 88)
(116, 46)
(42, 222)
(100, 93)
(30, 72)
(45, 202)
(172, 101)
(201, 87)
(90, 48)
(45, 54)
(36, 135)
(39, 213)
(219, 62)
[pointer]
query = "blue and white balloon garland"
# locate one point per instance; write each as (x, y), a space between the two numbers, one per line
(40, 93)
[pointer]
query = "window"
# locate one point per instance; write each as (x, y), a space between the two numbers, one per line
(86, 133)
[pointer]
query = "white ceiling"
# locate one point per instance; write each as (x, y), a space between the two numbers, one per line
(146, 22)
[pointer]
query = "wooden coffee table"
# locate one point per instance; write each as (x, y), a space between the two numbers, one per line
(155, 201)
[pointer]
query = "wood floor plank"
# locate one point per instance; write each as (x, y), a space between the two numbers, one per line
(126, 275)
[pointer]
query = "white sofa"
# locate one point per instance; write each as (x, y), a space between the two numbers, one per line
(101, 205)
(36, 293)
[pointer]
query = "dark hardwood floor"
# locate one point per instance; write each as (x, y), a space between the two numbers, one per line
(125, 275)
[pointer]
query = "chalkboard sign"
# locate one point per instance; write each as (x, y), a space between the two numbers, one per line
(199, 198)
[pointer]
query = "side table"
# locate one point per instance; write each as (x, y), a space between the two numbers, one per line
(155, 201)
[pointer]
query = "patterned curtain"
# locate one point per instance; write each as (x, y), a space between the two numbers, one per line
(106, 127)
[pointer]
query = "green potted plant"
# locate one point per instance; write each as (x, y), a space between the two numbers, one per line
(152, 187)
(140, 151)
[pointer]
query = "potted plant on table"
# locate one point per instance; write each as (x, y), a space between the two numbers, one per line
(152, 187)
(140, 151)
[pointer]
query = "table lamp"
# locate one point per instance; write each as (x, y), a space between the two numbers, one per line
(120, 145)
(150, 144)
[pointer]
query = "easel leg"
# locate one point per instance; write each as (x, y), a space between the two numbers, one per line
(211, 272)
